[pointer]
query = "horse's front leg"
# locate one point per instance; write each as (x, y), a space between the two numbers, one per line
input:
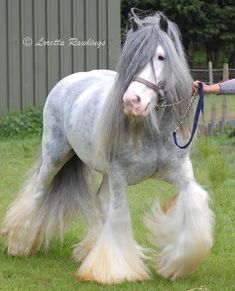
(115, 256)
(182, 231)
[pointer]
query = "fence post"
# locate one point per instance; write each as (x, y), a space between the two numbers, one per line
(224, 112)
(224, 104)
(210, 72)
(213, 119)
(225, 72)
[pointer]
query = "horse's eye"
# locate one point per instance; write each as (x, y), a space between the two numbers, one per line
(161, 58)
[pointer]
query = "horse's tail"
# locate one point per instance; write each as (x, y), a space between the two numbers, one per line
(182, 232)
(35, 217)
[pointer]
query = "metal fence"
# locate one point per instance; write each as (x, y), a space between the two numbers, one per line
(36, 49)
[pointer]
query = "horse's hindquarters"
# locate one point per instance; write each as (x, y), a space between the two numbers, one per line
(83, 115)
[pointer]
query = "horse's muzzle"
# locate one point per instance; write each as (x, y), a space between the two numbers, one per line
(134, 105)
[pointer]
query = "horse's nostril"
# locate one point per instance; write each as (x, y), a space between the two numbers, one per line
(135, 99)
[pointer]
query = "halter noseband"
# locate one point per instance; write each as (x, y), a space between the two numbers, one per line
(155, 87)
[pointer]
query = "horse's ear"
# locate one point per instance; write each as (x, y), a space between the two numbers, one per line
(163, 23)
(134, 24)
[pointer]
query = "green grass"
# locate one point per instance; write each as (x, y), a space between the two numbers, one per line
(53, 269)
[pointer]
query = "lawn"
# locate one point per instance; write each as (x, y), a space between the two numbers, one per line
(214, 165)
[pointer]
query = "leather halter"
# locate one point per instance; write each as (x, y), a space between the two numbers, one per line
(147, 83)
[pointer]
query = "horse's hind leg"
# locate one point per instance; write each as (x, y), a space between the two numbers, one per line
(27, 221)
(95, 224)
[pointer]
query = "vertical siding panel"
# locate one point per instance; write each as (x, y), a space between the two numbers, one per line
(27, 68)
(91, 34)
(79, 62)
(40, 67)
(28, 73)
(114, 32)
(53, 65)
(65, 34)
(3, 57)
(102, 34)
(14, 43)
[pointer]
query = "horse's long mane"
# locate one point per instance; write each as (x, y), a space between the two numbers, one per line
(139, 48)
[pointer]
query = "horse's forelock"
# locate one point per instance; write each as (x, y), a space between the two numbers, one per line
(138, 49)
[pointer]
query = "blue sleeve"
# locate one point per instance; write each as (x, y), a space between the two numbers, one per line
(227, 87)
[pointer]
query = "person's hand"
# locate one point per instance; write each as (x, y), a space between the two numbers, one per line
(195, 87)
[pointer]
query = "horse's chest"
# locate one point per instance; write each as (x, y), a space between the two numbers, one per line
(148, 161)
(138, 165)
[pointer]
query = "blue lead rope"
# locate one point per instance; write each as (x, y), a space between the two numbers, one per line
(200, 108)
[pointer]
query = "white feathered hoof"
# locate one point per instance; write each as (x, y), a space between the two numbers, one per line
(113, 259)
(22, 229)
(181, 232)
(179, 260)
(20, 243)
(23, 237)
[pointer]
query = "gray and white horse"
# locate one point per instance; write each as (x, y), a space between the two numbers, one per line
(119, 124)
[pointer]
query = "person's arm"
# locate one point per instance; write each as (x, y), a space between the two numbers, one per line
(223, 88)
(212, 89)
(208, 89)
(227, 87)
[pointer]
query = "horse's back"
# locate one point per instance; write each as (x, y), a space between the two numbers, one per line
(74, 94)
(70, 88)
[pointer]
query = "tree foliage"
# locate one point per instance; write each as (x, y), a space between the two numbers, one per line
(206, 26)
